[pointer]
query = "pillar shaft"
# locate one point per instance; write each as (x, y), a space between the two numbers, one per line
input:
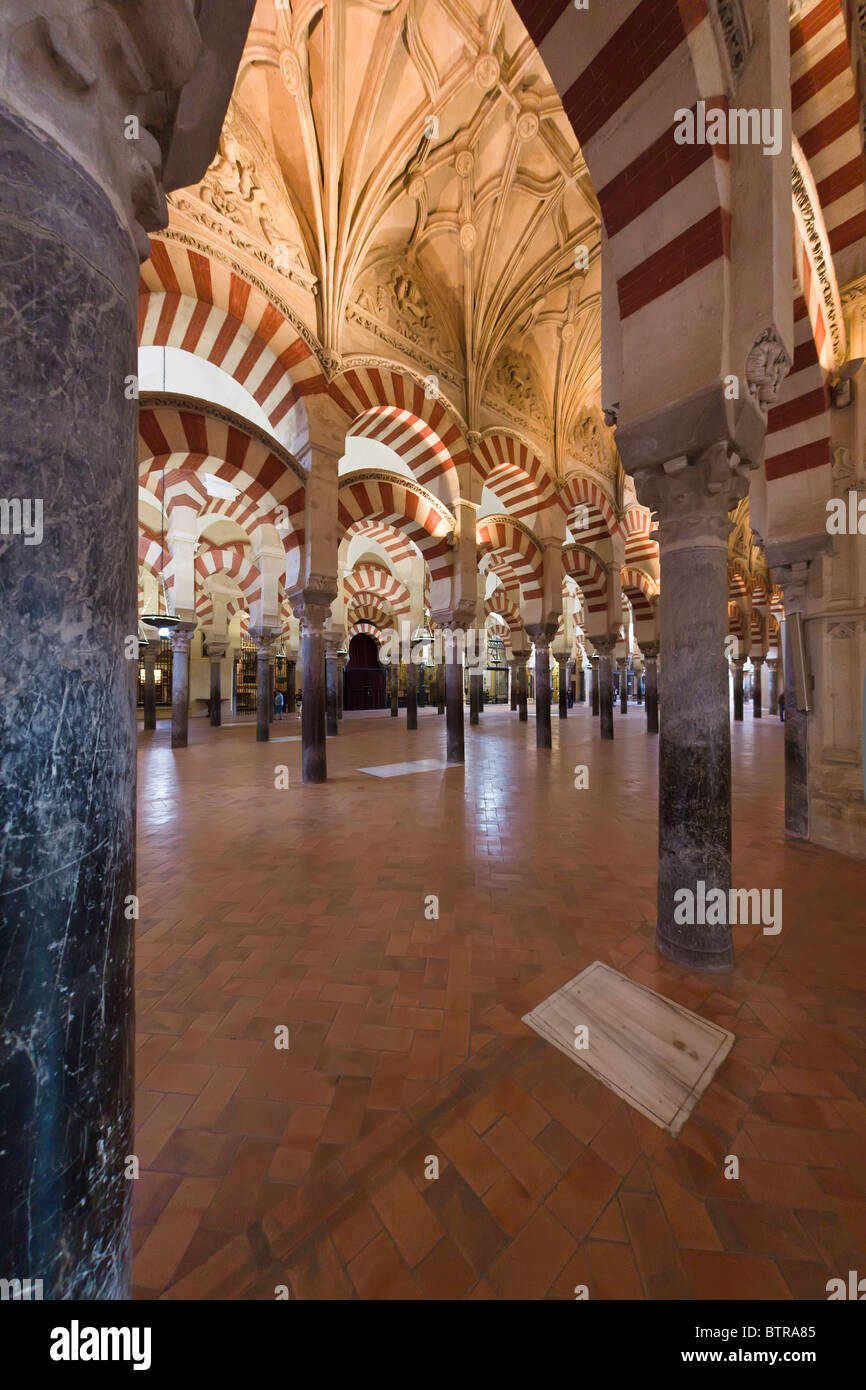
(216, 690)
(332, 727)
(291, 701)
(604, 646)
(454, 710)
(756, 688)
(264, 699)
(563, 687)
(394, 689)
(738, 689)
(581, 697)
(522, 682)
(149, 687)
(773, 673)
(622, 663)
(474, 697)
(594, 678)
(542, 691)
(180, 687)
(651, 677)
(440, 689)
(411, 695)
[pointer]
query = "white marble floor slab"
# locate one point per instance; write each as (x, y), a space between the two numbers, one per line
(286, 738)
(657, 1055)
(405, 769)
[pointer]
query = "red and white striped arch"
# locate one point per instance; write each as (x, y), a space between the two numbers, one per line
(188, 442)
(500, 605)
(400, 505)
(798, 425)
(515, 473)
(500, 536)
(391, 407)
(585, 500)
(623, 68)
(375, 579)
(392, 541)
(500, 565)
(371, 611)
(195, 302)
(232, 562)
(826, 114)
(366, 628)
(642, 593)
(637, 525)
(591, 578)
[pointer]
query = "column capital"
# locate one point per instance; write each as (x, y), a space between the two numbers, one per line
(459, 618)
(311, 605)
(693, 497)
(738, 661)
(542, 634)
(605, 643)
(264, 638)
(649, 650)
(181, 636)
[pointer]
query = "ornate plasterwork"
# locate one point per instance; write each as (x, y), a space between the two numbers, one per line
(513, 390)
(810, 224)
(593, 446)
(397, 300)
(767, 365)
(237, 200)
(735, 28)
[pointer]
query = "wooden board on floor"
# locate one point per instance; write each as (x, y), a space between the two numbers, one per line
(654, 1053)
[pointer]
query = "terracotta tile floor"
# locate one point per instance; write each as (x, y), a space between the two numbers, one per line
(309, 1167)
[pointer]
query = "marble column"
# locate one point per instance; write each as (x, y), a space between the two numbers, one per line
(72, 195)
(650, 651)
(150, 684)
(562, 663)
(522, 689)
(773, 673)
(180, 639)
(693, 500)
(216, 652)
(757, 702)
(291, 701)
(738, 663)
(341, 666)
(440, 689)
(264, 700)
(332, 726)
(454, 707)
(622, 666)
(638, 684)
(581, 696)
(512, 684)
(604, 646)
(792, 576)
(313, 608)
(394, 689)
(474, 697)
(411, 693)
(542, 635)
(593, 671)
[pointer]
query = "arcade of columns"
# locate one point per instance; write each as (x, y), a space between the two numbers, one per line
(381, 328)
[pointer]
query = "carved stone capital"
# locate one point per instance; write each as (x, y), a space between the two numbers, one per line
(542, 634)
(456, 619)
(102, 81)
(694, 497)
(605, 643)
(649, 650)
(181, 636)
(312, 604)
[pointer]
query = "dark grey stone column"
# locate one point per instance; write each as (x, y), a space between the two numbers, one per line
(638, 682)
(512, 691)
(332, 726)
(411, 693)
(291, 702)
(604, 646)
(454, 707)
(693, 500)
(313, 608)
(150, 685)
(474, 697)
(757, 663)
(738, 664)
(264, 698)
(395, 689)
(650, 651)
(593, 671)
(622, 663)
(341, 665)
(180, 639)
(581, 698)
(440, 689)
(562, 663)
(792, 576)
(542, 635)
(522, 682)
(773, 671)
(68, 436)
(216, 695)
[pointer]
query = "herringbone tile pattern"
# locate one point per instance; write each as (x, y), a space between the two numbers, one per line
(304, 910)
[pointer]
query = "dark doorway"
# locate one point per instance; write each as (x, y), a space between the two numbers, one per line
(365, 678)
